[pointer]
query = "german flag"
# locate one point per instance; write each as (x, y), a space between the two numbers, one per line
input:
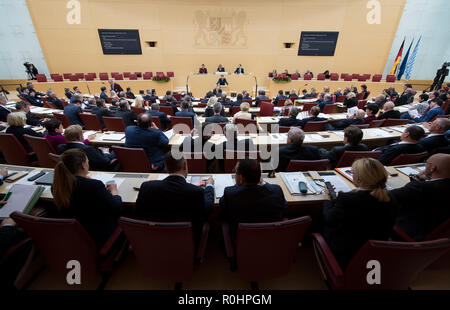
(398, 58)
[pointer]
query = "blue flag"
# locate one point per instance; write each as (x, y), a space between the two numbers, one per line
(410, 63)
(403, 65)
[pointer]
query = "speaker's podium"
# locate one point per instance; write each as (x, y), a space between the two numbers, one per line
(200, 84)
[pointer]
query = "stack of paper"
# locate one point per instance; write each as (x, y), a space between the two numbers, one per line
(220, 182)
(169, 134)
(337, 182)
(21, 198)
(410, 169)
(291, 180)
(86, 134)
(113, 137)
(352, 111)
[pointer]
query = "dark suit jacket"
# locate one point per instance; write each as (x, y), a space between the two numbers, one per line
(390, 114)
(104, 96)
(117, 88)
(347, 122)
(175, 200)
(381, 103)
(203, 70)
(32, 100)
(9, 236)
(210, 112)
(173, 106)
(258, 98)
(4, 113)
(220, 69)
(128, 116)
(216, 119)
(323, 103)
(252, 204)
(311, 119)
(430, 143)
(100, 112)
(56, 102)
(350, 103)
(163, 119)
(151, 140)
(289, 121)
(336, 152)
(422, 206)
(222, 81)
(130, 95)
(33, 120)
(19, 132)
(73, 114)
(275, 101)
(69, 95)
(97, 160)
(184, 113)
(389, 152)
(403, 99)
(353, 219)
(95, 208)
(239, 70)
(291, 151)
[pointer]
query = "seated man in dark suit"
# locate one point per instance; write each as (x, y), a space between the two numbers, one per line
(124, 111)
(203, 69)
(171, 102)
(220, 68)
(315, 111)
(4, 111)
(261, 96)
(130, 94)
(217, 118)
(53, 99)
(326, 100)
(295, 149)
(292, 119)
(30, 87)
(222, 81)
(423, 202)
(32, 119)
(147, 136)
(251, 200)
(407, 145)
(435, 110)
(355, 119)
(68, 93)
(389, 111)
(101, 110)
(185, 111)
(293, 95)
(224, 100)
(208, 95)
(98, 159)
(237, 103)
(239, 70)
(406, 96)
(280, 96)
(163, 119)
(25, 93)
(73, 111)
(103, 94)
(175, 200)
(436, 138)
(352, 142)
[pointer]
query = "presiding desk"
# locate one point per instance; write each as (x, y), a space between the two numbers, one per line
(200, 84)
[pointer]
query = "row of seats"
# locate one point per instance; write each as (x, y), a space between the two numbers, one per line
(103, 76)
(344, 76)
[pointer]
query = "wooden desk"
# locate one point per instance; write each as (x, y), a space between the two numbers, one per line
(200, 84)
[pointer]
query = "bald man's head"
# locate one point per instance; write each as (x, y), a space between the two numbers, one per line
(438, 166)
(440, 125)
(144, 121)
(388, 106)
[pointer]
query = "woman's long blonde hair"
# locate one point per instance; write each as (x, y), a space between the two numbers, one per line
(139, 101)
(372, 176)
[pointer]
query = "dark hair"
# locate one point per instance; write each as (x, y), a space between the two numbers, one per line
(437, 100)
(209, 94)
(64, 179)
(168, 93)
(408, 85)
(75, 87)
(314, 111)
(250, 170)
(103, 88)
(22, 89)
(76, 101)
(354, 135)
(123, 104)
(415, 132)
(425, 97)
(100, 102)
(304, 91)
(128, 88)
(373, 107)
(21, 105)
(280, 92)
(52, 124)
(171, 164)
(144, 121)
(239, 97)
(364, 86)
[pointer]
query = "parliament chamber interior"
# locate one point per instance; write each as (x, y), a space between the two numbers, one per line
(248, 146)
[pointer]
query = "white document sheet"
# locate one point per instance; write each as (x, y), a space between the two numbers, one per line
(291, 180)
(105, 177)
(337, 182)
(220, 182)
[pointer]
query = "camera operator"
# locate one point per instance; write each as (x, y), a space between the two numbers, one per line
(31, 70)
(440, 77)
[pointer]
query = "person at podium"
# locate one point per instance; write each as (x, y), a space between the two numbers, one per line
(239, 70)
(221, 69)
(222, 81)
(203, 69)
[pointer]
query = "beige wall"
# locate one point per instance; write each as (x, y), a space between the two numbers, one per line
(361, 48)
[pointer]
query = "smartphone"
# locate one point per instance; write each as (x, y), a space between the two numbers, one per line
(331, 190)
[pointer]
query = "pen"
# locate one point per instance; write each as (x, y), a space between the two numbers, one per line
(5, 199)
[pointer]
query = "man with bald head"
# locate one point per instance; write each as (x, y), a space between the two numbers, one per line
(424, 202)
(436, 138)
(355, 119)
(389, 111)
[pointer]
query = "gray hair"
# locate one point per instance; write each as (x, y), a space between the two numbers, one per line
(327, 96)
(224, 94)
(217, 107)
(91, 101)
(212, 101)
(155, 106)
(360, 114)
(293, 111)
(296, 135)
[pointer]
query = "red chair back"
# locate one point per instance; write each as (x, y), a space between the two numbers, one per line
(343, 75)
(57, 78)
(295, 76)
(347, 77)
(349, 157)
(73, 78)
(307, 165)
(408, 159)
(60, 241)
(41, 78)
(442, 231)
(132, 76)
(394, 122)
(308, 105)
(170, 74)
(67, 75)
(390, 78)
(280, 102)
(137, 110)
(376, 123)
(246, 126)
(160, 74)
(361, 103)
(118, 77)
(126, 74)
(166, 109)
(266, 109)
(93, 74)
(321, 77)
(196, 162)
(157, 121)
(147, 75)
(307, 77)
(54, 157)
(41, 147)
(234, 110)
(114, 123)
(79, 75)
(341, 98)
(232, 157)
(103, 76)
(138, 74)
(90, 121)
(164, 251)
(13, 151)
(267, 250)
(89, 77)
(330, 108)
(334, 76)
(376, 78)
(315, 126)
(181, 120)
(284, 129)
(177, 96)
(355, 76)
(132, 159)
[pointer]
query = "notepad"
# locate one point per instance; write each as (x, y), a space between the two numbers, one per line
(291, 180)
(410, 170)
(220, 182)
(337, 182)
(86, 134)
(106, 177)
(21, 199)
(113, 137)
(169, 134)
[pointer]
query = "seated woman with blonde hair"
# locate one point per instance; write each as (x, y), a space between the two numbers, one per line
(139, 102)
(113, 94)
(366, 213)
(244, 112)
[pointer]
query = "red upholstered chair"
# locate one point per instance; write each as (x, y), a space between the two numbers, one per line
(390, 78)
(315, 126)
(349, 157)
(330, 108)
(280, 102)
(196, 162)
(67, 75)
(286, 112)
(308, 105)
(400, 262)
(157, 121)
(79, 75)
(170, 74)
(41, 78)
(54, 157)
(307, 77)
(165, 251)
(232, 157)
(90, 121)
(64, 240)
(360, 125)
(138, 74)
(49, 105)
(89, 77)
(103, 76)
(114, 123)
(361, 103)
(334, 76)
(347, 77)
(321, 77)
(246, 126)
(57, 78)
(62, 118)
(376, 123)
(341, 98)
(355, 76)
(126, 74)
(186, 121)
(395, 122)
(177, 96)
(137, 110)
(118, 77)
(93, 74)
(161, 101)
(41, 147)
(132, 77)
(266, 109)
(73, 78)
(203, 105)
(53, 75)
(407, 159)
(295, 76)
(307, 165)
(147, 75)
(265, 250)
(248, 100)
(234, 110)
(114, 73)
(360, 96)
(132, 159)
(377, 77)
(367, 76)
(343, 75)
(14, 152)
(160, 74)
(362, 78)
